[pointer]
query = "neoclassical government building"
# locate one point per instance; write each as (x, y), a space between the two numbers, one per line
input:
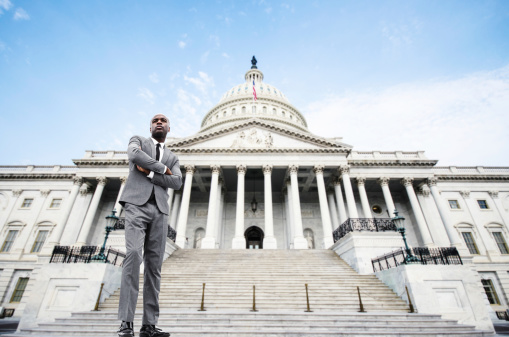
(257, 178)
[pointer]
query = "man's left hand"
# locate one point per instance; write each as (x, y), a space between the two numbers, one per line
(144, 170)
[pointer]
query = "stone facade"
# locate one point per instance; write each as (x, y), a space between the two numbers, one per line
(255, 177)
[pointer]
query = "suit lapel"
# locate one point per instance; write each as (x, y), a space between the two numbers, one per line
(166, 154)
(152, 148)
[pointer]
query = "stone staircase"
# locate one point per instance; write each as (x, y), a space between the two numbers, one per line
(280, 277)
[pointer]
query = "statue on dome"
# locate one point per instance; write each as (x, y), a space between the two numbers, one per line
(253, 63)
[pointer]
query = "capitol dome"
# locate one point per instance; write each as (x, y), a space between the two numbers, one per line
(238, 104)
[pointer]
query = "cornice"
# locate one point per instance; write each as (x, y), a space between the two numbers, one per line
(37, 176)
(471, 177)
(257, 150)
(240, 118)
(101, 162)
(382, 163)
(253, 121)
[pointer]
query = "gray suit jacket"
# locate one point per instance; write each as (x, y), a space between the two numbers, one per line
(138, 187)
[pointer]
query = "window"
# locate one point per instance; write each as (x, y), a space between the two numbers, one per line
(454, 204)
(482, 204)
(19, 290)
(490, 291)
(55, 203)
(502, 245)
(233, 111)
(39, 241)
(274, 111)
(264, 109)
(224, 113)
(27, 203)
(243, 109)
(469, 240)
(9, 240)
(254, 109)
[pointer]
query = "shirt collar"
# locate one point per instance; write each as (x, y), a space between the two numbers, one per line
(156, 142)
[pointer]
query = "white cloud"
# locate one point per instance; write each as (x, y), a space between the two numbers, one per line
(21, 14)
(182, 44)
(268, 10)
(147, 95)
(5, 5)
(399, 35)
(154, 78)
(457, 121)
(225, 55)
(203, 82)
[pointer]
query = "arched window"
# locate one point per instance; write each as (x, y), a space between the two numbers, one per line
(224, 113)
(264, 109)
(243, 109)
(274, 111)
(233, 111)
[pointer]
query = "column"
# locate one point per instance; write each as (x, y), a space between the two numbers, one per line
(118, 206)
(289, 218)
(421, 222)
(384, 183)
(184, 207)
(92, 209)
(364, 197)
(324, 207)
(487, 241)
(239, 241)
(171, 193)
(340, 201)
(350, 200)
(5, 220)
(209, 241)
(24, 234)
(333, 211)
(219, 224)
(498, 205)
(299, 242)
(59, 230)
(175, 209)
(444, 215)
(269, 241)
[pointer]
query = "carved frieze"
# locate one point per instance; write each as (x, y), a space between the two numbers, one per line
(253, 139)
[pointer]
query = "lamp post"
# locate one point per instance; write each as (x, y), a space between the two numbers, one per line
(399, 222)
(111, 220)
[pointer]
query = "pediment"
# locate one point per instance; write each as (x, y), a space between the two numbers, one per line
(256, 135)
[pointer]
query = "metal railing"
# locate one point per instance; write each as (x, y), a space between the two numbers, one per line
(502, 315)
(120, 224)
(85, 254)
(425, 256)
(363, 224)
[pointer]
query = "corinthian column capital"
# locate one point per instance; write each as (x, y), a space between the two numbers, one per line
(123, 180)
(102, 180)
(407, 181)
(318, 169)
(432, 181)
(267, 169)
(384, 181)
(361, 180)
(293, 169)
(241, 169)
(78, 180)
(190, 169)
(215, 169)
(344, 169)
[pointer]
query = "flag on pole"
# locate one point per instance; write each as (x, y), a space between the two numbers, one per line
(254, 92)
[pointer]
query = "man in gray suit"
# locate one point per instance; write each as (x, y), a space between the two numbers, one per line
(152, 170)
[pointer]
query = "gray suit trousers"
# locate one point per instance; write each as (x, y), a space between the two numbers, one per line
(145, 228)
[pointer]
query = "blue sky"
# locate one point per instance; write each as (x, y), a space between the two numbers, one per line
(384, 75)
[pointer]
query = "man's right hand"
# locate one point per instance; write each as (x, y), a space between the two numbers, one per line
(168, 172)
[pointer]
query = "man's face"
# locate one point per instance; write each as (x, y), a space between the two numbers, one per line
(159, 126)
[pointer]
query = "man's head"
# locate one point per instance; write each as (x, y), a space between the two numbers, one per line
(159, 127)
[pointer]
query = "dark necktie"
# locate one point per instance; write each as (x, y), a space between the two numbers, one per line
(158, 153)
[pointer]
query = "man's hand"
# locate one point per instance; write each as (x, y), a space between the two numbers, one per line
(168, 172)
(144, 170)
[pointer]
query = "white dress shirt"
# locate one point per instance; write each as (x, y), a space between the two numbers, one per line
(161, 152)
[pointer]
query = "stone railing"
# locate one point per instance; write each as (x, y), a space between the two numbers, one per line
(363, 224)
(38, 169)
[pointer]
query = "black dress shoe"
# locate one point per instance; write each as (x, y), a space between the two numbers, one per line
(152, 331)
(126, 329)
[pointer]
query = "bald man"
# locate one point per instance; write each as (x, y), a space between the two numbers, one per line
(152, 170)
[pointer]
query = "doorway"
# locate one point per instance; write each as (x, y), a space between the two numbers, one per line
(254, 238)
